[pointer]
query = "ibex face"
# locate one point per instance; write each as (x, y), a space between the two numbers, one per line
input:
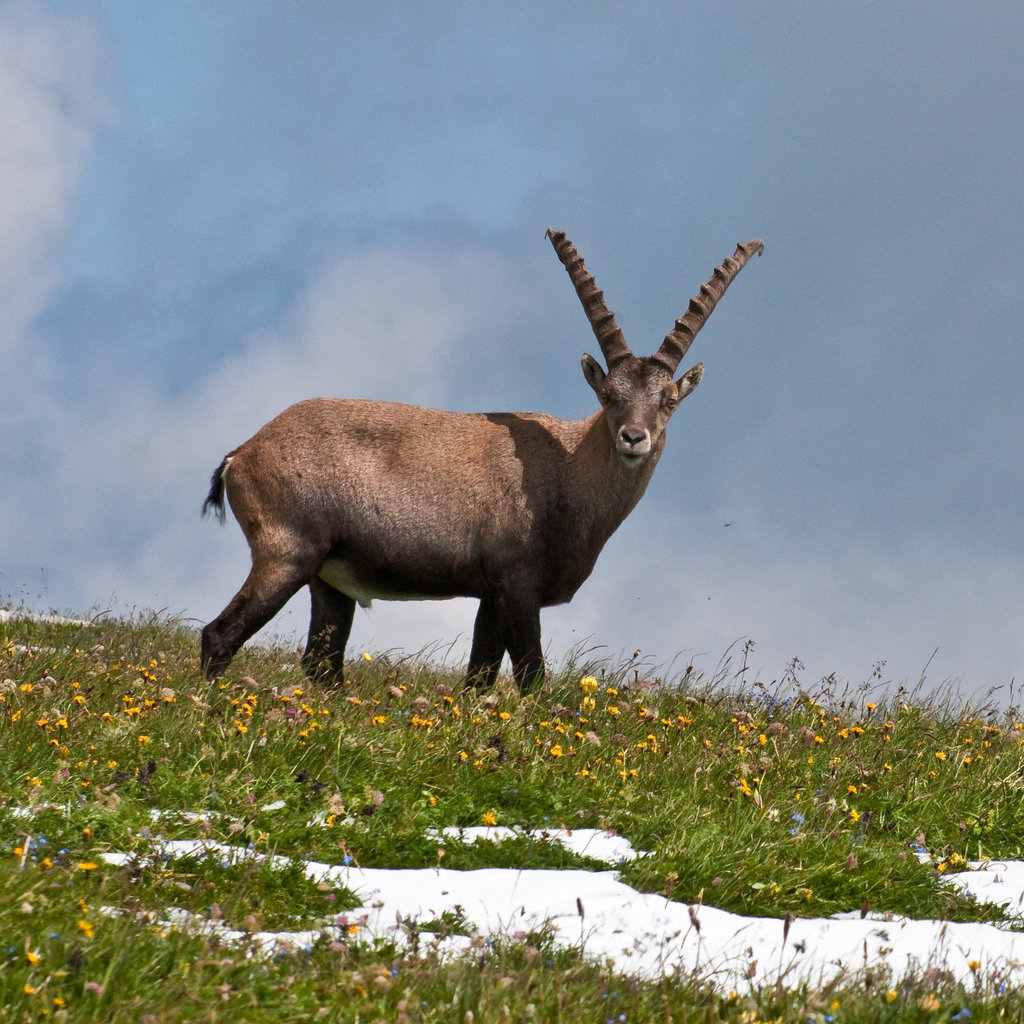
(638, 396)
(370, 500)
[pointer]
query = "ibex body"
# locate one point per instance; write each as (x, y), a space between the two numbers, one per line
(362, 500)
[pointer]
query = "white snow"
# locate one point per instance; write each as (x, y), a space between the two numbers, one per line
(641, 933)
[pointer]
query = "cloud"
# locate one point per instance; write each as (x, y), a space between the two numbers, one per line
(117, 510)
(684, 588)
(282, 208)
(51, 111)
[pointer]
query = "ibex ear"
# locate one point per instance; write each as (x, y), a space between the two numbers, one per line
(689, 381)
(592, 371)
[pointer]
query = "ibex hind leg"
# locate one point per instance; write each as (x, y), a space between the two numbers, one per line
(265, 592)
(330, 623)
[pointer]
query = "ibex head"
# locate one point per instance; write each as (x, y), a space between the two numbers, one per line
(639, 394)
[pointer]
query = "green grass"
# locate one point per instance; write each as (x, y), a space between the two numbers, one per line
(766, 800)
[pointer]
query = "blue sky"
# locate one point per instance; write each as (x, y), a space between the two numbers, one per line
(210, 211)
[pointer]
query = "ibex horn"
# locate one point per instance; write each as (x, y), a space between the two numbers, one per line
(602, 319)
(674, 347)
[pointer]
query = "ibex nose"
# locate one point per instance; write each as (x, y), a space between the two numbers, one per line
(632, 436)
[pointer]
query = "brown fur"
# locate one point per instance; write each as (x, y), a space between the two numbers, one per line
(363, 499)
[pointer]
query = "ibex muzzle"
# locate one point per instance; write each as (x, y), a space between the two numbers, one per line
(360, 500)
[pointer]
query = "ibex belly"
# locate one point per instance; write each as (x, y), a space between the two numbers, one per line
(365, 586)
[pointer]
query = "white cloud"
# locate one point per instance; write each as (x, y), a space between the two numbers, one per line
(378, 324)
(116, 514)
(685, 587)
(52, 107)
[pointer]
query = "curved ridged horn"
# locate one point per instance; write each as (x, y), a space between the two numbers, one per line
(602, 319)
(674, 347)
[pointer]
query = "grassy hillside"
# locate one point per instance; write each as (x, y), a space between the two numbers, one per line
(767, 800)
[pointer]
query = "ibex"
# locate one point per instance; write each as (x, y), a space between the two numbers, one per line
(363, 499)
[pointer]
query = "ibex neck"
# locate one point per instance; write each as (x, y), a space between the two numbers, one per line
(611, 487)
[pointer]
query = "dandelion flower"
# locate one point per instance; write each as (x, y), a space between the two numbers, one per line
(489, 818)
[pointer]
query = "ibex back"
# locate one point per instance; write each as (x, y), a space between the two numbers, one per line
(360, 500)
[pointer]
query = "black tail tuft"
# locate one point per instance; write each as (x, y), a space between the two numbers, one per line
(215, 499)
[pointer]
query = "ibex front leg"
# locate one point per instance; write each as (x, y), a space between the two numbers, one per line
(506, 624)
(519, 617)
(488, 647)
